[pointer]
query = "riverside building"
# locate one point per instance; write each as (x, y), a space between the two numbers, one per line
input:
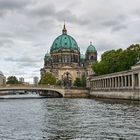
(65, 60)
(2, 79)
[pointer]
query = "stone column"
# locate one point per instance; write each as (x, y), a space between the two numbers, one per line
(100, 84)
(139, 79)
(129, 85)
(103, 83)
(122, 81)
(125, 79)
(107, 82)
(97, 84)
(115, 82)
(133, 81)
(119, 82)
(112, 82)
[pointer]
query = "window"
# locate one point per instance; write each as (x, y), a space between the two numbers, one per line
(91, 58)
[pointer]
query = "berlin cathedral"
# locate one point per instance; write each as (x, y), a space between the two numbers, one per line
(65, 60)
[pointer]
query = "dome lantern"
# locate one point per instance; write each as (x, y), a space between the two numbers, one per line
(64, 31)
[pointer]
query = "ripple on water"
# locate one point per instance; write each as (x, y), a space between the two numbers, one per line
(68, 119)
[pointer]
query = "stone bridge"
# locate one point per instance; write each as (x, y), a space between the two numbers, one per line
(45, 90)
(40, 89)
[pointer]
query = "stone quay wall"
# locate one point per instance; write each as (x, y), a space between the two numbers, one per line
(120, 85)
(76, 93)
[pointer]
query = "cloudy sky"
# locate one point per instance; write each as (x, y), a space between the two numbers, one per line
(28, 28)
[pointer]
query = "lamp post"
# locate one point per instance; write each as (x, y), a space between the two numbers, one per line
(67, 79)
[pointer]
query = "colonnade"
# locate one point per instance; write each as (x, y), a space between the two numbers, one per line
(120, 81)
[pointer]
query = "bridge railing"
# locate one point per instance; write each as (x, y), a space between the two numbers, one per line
(32, 86)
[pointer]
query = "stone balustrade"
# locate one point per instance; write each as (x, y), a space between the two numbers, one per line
(125, 80)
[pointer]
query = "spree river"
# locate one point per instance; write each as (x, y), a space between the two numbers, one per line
(65, 119)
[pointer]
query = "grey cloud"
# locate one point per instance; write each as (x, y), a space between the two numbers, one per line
(47, 10)
(6, 34)
(50, 11)
(16, 72)
(23, 59)
(116, 23)
(7, 43)
(13, 4)
(119, 27)
(28, 64)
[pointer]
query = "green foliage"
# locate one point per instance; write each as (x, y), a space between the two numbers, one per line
(117, 60)
(59, 82)
(48, 78)
(12, 80)
(83, 81)
(77, 82)
(80, 82)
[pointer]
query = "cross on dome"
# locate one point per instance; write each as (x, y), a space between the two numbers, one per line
(64, 31)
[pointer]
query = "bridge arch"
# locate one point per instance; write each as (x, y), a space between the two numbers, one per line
(56, 92)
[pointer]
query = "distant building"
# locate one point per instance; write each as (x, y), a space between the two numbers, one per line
(21, 79)
(2, 79)
(35, 80)
(66, 62)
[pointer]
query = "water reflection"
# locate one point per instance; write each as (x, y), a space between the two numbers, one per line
(69, 119)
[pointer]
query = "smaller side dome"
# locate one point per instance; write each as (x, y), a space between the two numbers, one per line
(91, 48)
(47, 56)
(1, 74)
(82, 57)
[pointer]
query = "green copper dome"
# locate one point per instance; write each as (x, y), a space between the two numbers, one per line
(82, 57)
(64, 41)
(91, 48)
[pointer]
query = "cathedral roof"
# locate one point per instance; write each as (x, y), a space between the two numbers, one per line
(91, 48)
(64, 41)
(82, 56)
(47, 56)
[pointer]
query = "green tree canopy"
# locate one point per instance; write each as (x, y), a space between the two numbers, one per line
(12, 80)
(77, 82)
(48, 78)
(117, 60)
(80, 82)
(83, 81)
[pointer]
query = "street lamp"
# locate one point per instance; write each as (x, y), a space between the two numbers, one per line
(67, 79)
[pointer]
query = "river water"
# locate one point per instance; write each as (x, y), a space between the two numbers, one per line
(65, 119)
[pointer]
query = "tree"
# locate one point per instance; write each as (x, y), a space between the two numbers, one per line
(117, 60)
(12, 80)
(48, 78)
(77, 82)
(80, 82)
(83, 81)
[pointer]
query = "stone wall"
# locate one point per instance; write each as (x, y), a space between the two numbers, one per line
(119, 85)
(76, 93)
(125, 95)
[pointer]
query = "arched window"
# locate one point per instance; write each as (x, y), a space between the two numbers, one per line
(63, 58)
(91, 58)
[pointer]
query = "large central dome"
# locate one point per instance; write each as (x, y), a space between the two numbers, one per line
(64, 41)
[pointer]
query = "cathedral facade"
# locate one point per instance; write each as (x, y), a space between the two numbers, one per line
(65, 60)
